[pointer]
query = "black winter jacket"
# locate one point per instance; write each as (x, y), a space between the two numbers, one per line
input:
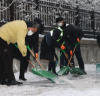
(53, 39)
(71, 33)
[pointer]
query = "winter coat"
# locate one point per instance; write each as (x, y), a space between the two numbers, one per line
(33, 43)
(53, 39)
(31, 40)
(49, 43)
(71, 33)
(15, 32)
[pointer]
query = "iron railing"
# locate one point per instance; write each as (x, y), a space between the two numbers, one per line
(48, 10)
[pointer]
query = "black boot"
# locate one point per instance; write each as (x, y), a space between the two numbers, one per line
(54, 71)
(13, 82)
(49, 66)
(84, 71)
(3, 82)
(22, 78)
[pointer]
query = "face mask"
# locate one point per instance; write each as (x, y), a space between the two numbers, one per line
(59, 24)
(30, 33)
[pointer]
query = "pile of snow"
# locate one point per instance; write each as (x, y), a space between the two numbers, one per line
(85, 85)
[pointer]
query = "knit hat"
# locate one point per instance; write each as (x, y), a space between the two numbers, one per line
(41, 25)
(59, 19)
(29, 24)
(39, 21)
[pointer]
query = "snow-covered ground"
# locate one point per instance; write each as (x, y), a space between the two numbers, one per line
(85, 85)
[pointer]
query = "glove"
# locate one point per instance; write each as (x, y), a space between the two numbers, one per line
(36, 55)
(78, 40)
(71, 52)
(62, 47)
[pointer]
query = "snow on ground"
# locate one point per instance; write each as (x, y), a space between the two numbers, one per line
(85, 85)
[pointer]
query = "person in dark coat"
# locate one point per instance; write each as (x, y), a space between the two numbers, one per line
(32, 41)
(62, 25)
(51, 40)
(72, 35)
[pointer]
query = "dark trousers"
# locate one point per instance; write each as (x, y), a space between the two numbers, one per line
(64, 61)
(23, 62)
(6, 62)
(48, 53)
(23, 67)
(79, 57)
(77, 52)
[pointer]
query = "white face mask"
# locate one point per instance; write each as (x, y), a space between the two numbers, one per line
(30, 33)
(59, 24)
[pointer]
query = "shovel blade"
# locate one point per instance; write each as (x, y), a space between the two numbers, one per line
(77, 71)
(98, 67)
(36, 72)
(63, 70)
(47, 74)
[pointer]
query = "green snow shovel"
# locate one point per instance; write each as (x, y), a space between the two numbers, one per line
(64, 69)
(98, 68)
(48, 74)
(42, 72)
(72, 70)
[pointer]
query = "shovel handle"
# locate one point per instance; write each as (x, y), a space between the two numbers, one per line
(32, 55)
(30, 63)
(68, 60)
(72, 55)
(37, 60)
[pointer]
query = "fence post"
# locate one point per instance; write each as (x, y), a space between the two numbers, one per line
(37, 6)
(11, 10)
(93, 22)
(77, 21)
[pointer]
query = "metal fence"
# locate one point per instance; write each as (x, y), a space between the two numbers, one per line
(48, 10)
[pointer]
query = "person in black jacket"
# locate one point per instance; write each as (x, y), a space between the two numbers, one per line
(62, 25)
(72, 35)
(51, 40)
(32, 41)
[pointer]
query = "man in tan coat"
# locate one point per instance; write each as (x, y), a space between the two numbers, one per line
(13, 32)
